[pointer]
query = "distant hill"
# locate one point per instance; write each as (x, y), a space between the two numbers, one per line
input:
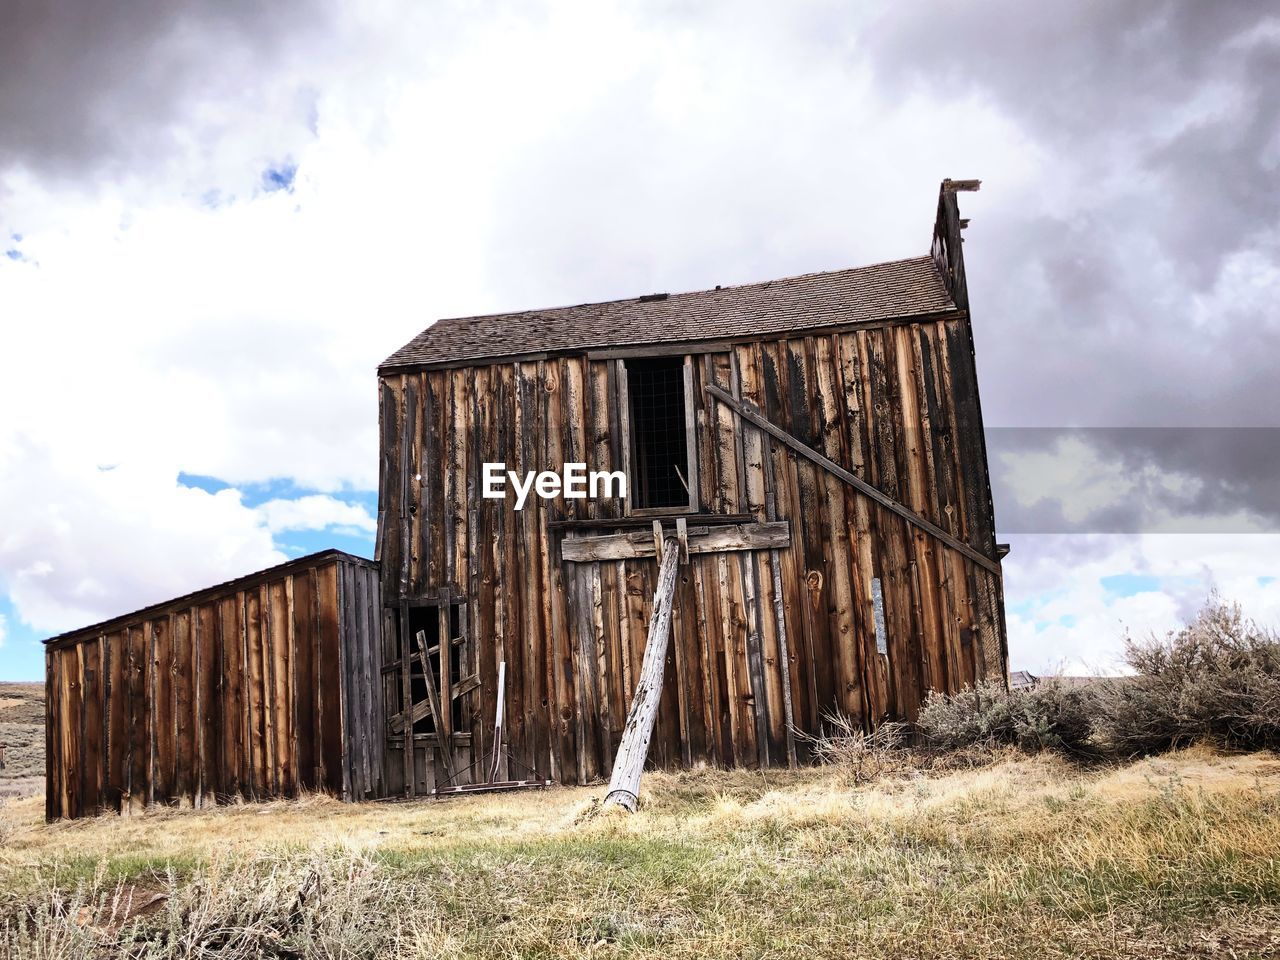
(22, 736)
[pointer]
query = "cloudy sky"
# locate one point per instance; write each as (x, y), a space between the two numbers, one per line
(216, 218)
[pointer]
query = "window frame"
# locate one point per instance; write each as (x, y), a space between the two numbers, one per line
(628, 439)
(445, 604)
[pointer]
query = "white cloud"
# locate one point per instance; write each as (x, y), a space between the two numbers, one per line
(81, 543)
(169, 317)
(1062, 616)
(315, 512)
(1072, 473)
(165, 316)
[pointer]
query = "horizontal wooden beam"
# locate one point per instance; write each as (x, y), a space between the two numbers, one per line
(723, 539)
(429, 739)
(752, 415)
(606, 523)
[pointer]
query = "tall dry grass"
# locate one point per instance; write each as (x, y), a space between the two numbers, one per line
(1175, 856)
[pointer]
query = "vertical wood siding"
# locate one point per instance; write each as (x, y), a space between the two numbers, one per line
(755, 633)
(224, 694)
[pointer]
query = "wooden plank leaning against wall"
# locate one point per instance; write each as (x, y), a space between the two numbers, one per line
(758, 635)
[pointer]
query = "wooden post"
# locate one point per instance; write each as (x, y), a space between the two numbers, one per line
(628, 765)
(497, 721)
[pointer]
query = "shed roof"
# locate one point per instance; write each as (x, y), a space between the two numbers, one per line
(882, 291)
(205, 593)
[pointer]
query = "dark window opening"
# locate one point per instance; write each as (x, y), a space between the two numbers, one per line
(660, 475)
(430, 620)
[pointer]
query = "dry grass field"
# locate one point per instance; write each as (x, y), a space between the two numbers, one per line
(22, 735)
(1170, 857)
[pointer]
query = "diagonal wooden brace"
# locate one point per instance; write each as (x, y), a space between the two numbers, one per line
(752, 415)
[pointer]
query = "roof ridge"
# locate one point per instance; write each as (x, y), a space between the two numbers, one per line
(902, 288)
(681, 293)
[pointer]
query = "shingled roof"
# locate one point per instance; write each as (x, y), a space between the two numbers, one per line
(883, 291)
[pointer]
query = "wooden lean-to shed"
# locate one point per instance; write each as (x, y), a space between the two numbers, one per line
(816, 444)
(257, 688)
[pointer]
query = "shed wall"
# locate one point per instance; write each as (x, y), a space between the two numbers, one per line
(231, 692)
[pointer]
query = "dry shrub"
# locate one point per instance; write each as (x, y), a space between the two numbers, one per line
(864, 756)
(1050, 716)
(1215, 680)
(325, 904)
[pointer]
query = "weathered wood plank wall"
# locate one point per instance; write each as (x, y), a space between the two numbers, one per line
(758, 635)
(253, 689)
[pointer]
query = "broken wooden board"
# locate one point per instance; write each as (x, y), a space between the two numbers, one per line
(423, 707)
(443, 739)
(498, 787)
(725, 539)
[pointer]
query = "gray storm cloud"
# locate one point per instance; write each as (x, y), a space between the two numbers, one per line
(1166, 129)
(1108, 480)
(87, 87)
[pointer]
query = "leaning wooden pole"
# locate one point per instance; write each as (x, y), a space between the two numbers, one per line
(628, 764)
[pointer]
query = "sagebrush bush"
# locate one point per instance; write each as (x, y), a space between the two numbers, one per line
(1049, 716)
(865, 756)
(324, 904)
(1216, 680)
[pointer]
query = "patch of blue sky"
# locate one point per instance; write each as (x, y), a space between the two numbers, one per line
(1120, 585)
(298, 543)
(1130, 584)
(1025, 608)
(256, 494)
(21, 653)
(199, 482)
(1032, 609)
(1266, 581)
(279, 177)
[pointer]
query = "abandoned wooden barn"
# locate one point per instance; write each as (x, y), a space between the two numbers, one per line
(817, 445)
(256, 688)
(814, 445)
